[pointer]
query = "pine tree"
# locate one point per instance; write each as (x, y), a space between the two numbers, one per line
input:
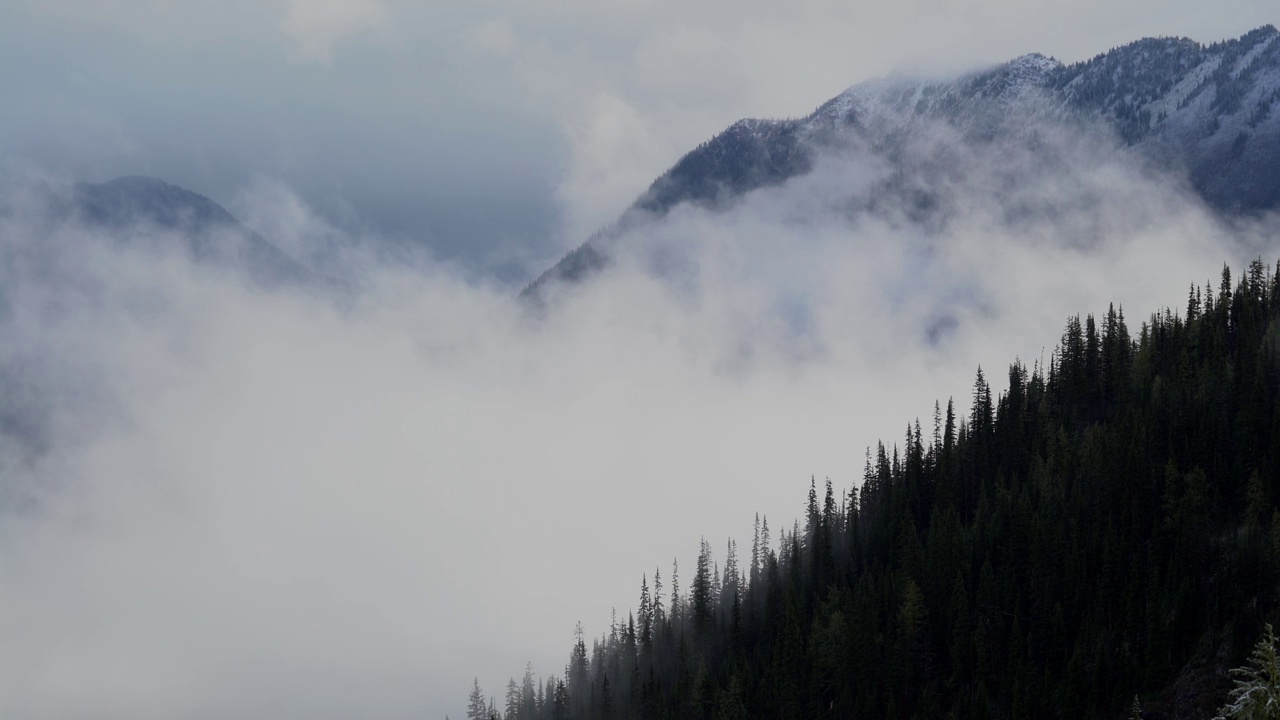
(606, 699)
(755, 553)
(645, 615)
(677, 603)
(729, 585)
(659, 614)
(513, 700)
(1256, 695)
(560, 702)
(528, 698)
(700, 593)
(1106, 521)
(477, 708)
(576, 672)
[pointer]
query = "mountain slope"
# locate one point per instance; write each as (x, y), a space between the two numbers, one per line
(1105, 529)
(42, 235)
(129, 207)
(1209, 113)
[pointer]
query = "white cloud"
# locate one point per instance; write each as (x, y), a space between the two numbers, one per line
(610, 143)
(452, 74)
(267, 505)
(270, 504)
(495, 36)
(314, 27)
(687, 70)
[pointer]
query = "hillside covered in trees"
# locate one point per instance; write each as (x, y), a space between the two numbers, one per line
(1106, 527)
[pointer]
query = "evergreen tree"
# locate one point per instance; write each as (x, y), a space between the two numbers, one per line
(560, 702)
(606, 699)
(1103, 528)
(701, 591)
(755, 553)
(645, 615)
(677, 602)
(659, 614)
(1256, 695)
(477, 709)
(513, 700)
(528, 699)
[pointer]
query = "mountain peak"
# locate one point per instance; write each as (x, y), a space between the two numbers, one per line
(1263, 31)
(1034, 61)
(139, 198)
(134, 208)
(1209, 111)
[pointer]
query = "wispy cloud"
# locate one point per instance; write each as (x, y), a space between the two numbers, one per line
(261, 504)
(314, 27)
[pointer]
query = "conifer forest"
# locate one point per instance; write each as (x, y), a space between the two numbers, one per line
(1102, 537)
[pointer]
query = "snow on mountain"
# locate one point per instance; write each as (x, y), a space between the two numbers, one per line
(1208, 111)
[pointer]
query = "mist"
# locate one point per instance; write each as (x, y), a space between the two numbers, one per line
(416, 120)
(262, 504)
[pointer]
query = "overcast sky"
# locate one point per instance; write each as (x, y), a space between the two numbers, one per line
(264, 505)
(497, 132)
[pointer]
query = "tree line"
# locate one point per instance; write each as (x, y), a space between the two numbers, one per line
(1104, 528)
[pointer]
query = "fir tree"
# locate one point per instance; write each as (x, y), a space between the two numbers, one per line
(477, 709)
(1256, 695)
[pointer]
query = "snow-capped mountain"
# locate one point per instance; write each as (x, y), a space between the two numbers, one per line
(1208, 113)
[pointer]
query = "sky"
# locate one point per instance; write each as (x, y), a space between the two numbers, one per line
(262, 504)
(498, 134)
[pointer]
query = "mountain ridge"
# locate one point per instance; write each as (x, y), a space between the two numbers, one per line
(1205, 111)
(209, 233)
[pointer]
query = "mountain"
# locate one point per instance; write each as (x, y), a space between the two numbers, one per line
(133, 209)
(135, 212)
(1210, 113)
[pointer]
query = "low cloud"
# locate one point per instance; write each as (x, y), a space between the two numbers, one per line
(315, 26)
(264, 504)
(420, 114)
(682, 72)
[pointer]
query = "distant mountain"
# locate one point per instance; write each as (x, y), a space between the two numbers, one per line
(1209, 111)
(134, 212)
(130, 208)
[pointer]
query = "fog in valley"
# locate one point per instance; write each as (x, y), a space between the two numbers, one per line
(351, 498)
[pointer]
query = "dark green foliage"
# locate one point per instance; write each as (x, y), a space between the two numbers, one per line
(1106, 527)
(1256, 695)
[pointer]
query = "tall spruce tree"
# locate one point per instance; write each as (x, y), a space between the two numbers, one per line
(477, 708)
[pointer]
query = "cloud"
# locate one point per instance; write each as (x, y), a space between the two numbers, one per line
(257, 505)
(449, 103)
(315, 26)
(608, 145)
(266, 504)
(495, 36)
(684, 72)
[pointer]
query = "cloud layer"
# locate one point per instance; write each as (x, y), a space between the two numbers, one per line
(262, 504)
(419, 118)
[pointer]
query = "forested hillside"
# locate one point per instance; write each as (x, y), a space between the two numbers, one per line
(1106, 527)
